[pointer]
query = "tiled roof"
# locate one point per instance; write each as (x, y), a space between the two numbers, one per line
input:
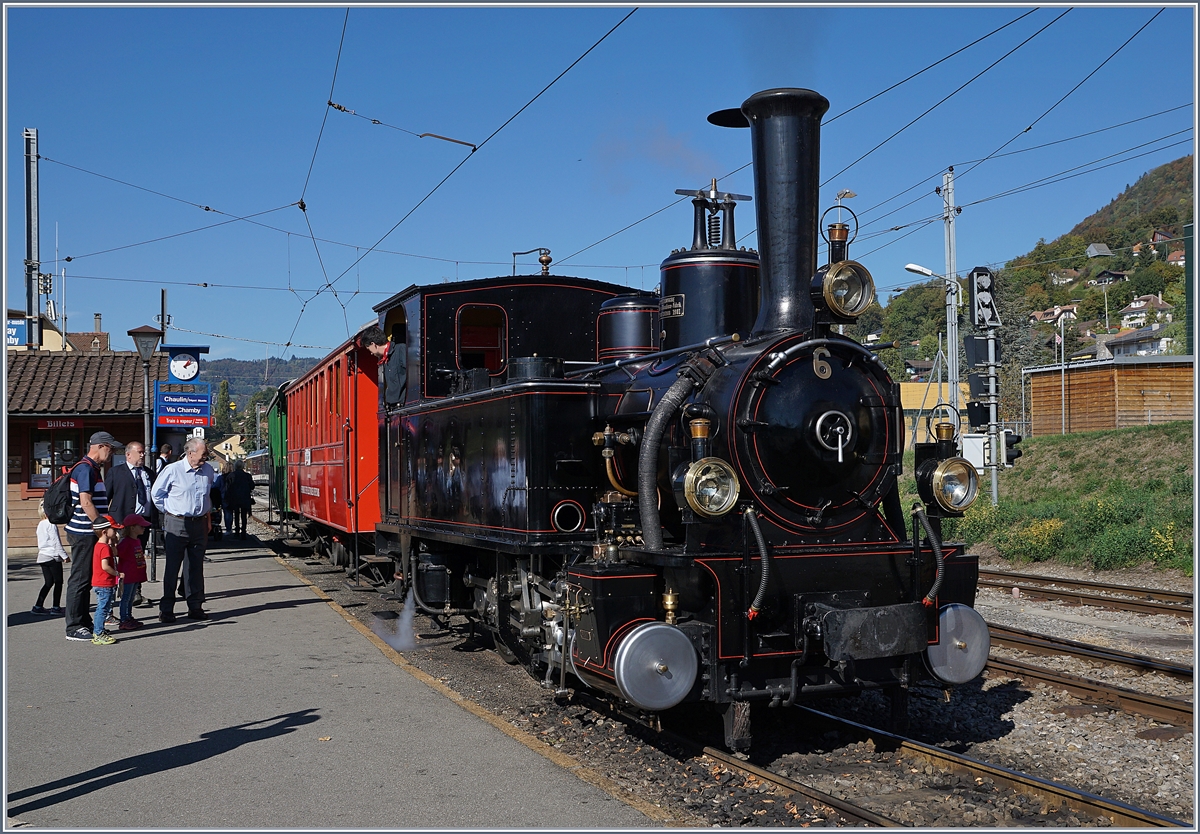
(46, 382)
(1146, 334)
(84, 341)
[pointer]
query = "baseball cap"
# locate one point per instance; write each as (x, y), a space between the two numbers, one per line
(104, 522)
(106, 439)
(135, 519)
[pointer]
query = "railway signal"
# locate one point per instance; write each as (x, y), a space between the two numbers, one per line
(1011, 452)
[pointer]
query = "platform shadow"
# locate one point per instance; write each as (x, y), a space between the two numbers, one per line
(210, 744)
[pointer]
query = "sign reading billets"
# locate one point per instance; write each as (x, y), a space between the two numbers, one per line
(181, 409)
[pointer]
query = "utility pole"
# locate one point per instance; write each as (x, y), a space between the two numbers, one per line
(163, 319)
(947, 192)
(33, 307)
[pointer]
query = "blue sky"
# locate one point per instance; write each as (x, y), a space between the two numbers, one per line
(222, 107)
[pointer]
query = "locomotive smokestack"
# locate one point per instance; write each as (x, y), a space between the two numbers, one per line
(785, 134)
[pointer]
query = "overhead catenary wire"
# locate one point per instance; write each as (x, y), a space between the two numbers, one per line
(1065, 96)
(337, 62)
(843, 113)
(955, 92)
(492, 135)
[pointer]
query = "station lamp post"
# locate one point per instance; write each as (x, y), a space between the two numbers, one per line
(145, 339)
(951, 334)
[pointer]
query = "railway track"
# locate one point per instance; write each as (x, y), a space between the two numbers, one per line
(1027, 641)
(1098, 594)
(1050, 795)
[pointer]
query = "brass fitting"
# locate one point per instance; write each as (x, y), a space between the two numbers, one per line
(670, 603)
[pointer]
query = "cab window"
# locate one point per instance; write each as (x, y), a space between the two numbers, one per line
(482, 337)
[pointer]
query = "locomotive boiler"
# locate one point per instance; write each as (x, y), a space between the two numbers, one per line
(682, 496)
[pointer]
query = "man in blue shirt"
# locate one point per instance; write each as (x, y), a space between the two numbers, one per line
(90, 501)
(181, 494)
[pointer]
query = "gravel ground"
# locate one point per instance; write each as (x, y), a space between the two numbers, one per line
(1040, 731)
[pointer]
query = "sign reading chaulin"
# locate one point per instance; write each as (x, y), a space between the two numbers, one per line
(182, 409)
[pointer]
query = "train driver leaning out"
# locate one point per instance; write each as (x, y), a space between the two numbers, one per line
(393, 366)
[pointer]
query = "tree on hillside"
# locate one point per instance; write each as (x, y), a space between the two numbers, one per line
(221, 422)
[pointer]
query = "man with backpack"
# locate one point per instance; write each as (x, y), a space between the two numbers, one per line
(89, 501)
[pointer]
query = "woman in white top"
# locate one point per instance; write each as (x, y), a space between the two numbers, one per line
(51, 557)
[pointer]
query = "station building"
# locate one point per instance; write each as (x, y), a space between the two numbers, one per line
(56, 401)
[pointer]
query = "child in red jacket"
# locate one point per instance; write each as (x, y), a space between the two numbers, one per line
(131, 564)
(104, 575)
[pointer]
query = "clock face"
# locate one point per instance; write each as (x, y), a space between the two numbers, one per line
(184, 366)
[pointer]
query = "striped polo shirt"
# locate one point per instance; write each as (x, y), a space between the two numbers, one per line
(85, 477)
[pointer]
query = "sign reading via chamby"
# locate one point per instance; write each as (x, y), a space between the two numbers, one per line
(182, 409)
(15, 332)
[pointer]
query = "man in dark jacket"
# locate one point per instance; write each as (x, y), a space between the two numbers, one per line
(393, 365)
(238, 495)
(129, 486)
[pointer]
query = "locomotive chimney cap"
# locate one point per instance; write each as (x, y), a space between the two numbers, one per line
(736, 116)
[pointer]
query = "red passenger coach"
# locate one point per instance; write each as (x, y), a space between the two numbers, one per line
(333, 450)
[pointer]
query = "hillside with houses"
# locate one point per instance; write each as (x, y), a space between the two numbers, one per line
(1111, 287)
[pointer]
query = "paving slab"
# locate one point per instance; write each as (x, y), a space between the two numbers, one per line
(275, 713)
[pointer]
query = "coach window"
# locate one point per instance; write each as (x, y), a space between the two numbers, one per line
(482, 337)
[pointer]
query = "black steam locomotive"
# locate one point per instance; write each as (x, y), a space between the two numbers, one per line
(689, 496)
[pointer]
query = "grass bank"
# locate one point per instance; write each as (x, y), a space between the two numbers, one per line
(1105, 500)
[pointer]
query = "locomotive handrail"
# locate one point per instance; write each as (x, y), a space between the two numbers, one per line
(653, 357)
(778, 359)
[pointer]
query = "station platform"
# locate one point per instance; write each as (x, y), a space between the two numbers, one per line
(275, 713)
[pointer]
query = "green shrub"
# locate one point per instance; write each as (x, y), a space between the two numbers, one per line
(1120, 546)
(1035, 541)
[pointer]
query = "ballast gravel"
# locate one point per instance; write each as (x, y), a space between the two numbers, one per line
(1037, 730)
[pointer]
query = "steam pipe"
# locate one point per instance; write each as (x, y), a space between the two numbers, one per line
(931, 597)
(656, 426)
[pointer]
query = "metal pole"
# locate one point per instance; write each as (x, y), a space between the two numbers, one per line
(163, 321)
(32, 249)
(1062, 337)
(951, 297)
(993, 428)
(146, 426)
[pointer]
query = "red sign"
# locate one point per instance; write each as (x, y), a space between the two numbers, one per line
(60, 424)
(168, 420)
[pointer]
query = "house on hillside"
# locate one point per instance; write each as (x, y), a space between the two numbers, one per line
(1135, 313)
(1062, 277)
(1108, 276)
(1098, 250)
(1177, 258)
(1052, 316)
(918, 369)
(1148, 341)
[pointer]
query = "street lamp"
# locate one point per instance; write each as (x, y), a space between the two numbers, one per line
(951, 332)
(1099, 250)
(145, 339)
(844, 194)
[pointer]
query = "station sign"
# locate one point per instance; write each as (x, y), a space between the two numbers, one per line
(15, 333)
(60, 424)
(182, 409)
